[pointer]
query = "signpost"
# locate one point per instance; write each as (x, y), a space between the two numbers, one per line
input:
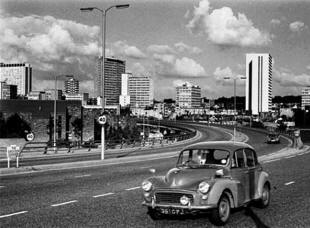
(102, 120)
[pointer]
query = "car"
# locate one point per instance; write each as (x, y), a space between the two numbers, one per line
(273, 137)
(209, 177)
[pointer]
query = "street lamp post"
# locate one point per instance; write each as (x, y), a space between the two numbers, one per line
(103, 37)
(55, 113)
(235, 101)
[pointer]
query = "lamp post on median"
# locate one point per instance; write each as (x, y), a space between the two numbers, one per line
(235, 100)
(55, 112)
(103, 39)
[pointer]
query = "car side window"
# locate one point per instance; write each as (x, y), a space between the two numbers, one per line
(250, 158)
(238, 159)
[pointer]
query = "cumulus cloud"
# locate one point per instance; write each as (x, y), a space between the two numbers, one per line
(222, 27)
(275, 22)
(45, 41)
(121, 48)
(181, 47)
(287, 78)
(227, 72)
(178, 67)
(297, 26)
(160, 49)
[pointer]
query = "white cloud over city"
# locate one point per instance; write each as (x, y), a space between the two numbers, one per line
(297, 26)
(223, 27)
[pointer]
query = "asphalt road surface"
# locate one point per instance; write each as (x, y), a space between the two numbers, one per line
(110, 196)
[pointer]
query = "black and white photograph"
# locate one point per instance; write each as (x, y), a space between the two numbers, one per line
(155, 113)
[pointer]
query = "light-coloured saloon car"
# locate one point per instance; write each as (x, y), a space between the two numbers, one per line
(209, 176)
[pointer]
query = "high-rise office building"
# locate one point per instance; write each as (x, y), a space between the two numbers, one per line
(124, 98)
(71, 85)
(258, 83)
(141, 91)
(305, 98)
(19, 74)
(188, 96)
(7, 92)
(113, 70)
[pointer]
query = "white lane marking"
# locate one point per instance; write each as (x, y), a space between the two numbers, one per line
(17, 213)
(129, 189)
(146, 167)
(288, 183)
(86, 175)
(64, 203)
(106, 194)
(2, 186)
(273, 160)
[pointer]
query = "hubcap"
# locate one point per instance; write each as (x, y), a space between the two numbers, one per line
(224, 209)
(265, 196)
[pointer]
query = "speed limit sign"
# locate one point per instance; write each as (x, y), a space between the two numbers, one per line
(30, 136)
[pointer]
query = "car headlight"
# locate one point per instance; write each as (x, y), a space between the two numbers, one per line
(203, 187)
(146, 185)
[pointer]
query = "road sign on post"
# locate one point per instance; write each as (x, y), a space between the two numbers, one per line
(102, 120)
(30, 136)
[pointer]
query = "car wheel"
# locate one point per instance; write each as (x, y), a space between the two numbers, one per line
(220, 215)
(154, 214)
(265, 199)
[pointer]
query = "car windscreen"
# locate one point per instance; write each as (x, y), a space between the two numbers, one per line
(195, 158)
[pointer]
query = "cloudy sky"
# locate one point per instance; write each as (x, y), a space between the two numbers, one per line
(172, 41)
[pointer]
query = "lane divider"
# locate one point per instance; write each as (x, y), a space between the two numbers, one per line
(86, 175)
(105, 194)
(17, 213)
(134, 188)
(61, 204)
(289, 183)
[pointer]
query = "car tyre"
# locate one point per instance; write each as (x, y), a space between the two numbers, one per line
(220, 215)
(265, 199)
(154, 214)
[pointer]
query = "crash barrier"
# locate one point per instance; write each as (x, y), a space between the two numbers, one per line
(9, 154)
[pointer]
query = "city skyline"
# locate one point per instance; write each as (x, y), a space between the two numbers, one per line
(173, 42)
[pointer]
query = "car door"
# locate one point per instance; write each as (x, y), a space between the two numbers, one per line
(251, 163)
(239, 172)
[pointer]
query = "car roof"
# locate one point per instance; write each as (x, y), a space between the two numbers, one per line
(219, 145)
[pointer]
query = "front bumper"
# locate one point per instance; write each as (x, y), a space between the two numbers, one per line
(187, 207)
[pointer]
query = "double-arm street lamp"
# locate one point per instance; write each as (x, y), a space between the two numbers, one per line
(235, 101)
(103, 39)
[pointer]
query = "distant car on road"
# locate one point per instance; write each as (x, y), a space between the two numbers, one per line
(209, 177)
(273, 137)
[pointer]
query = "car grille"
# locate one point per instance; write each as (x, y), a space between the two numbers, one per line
(171, 197)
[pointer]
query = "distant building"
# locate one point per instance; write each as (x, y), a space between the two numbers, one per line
(71, 85)
(141, 91)
(36, 95)
(19, 74)
(258, 83)
(7, 92)
(124, 98)
(113, 70)
(50, 94)
(305, 97)
(188, 96)
(78, 97)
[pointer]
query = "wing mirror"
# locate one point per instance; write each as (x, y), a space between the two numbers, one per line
(152, 171)
(219, 173)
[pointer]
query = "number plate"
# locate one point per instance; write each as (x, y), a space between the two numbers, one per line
(172, 211)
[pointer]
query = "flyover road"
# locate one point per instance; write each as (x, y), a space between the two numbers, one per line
(110, 196)
(206, 133)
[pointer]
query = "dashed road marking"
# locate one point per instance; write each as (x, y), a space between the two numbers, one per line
(17, 213)
(64, 203)
(289, 183)
(129, 189)
(105, 194)
(2, 186)
(146, 167)
(80, 176)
